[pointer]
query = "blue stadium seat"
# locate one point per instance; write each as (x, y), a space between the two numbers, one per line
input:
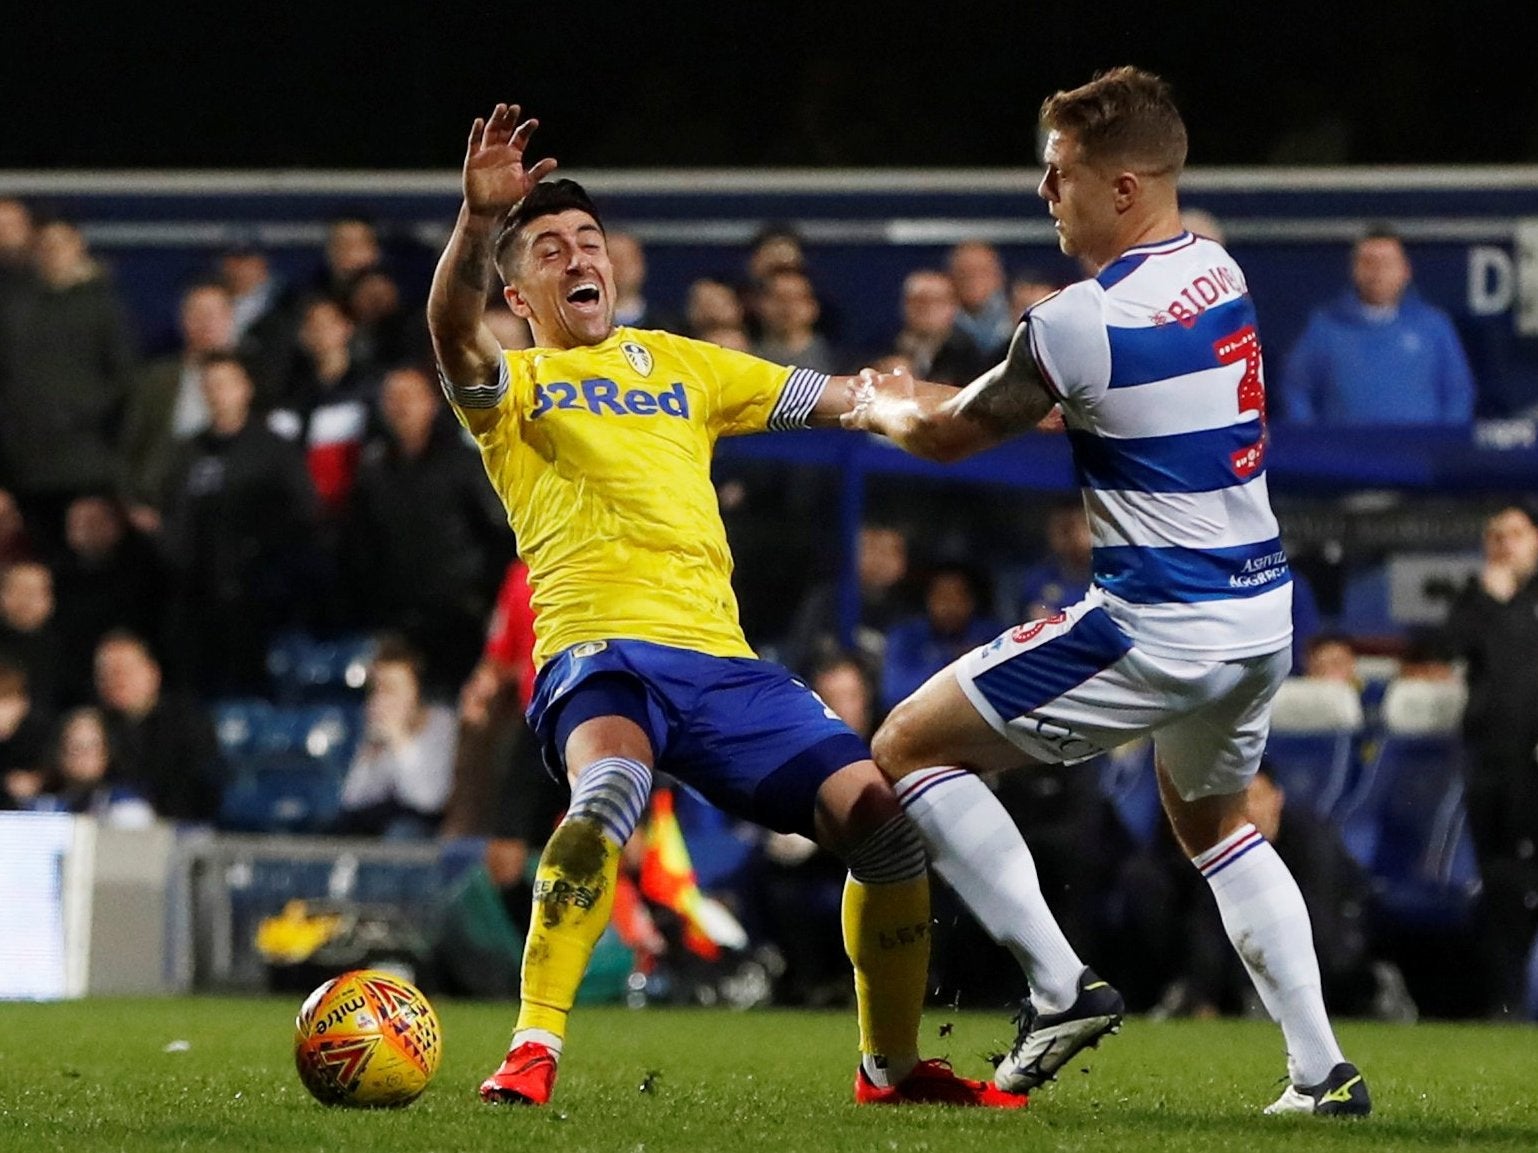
(1365, 609)
(282, 792)
(1410, 708)
(1423, 866)
(1405, 821)
(1313, 768)
(240, 722)
(1128, 781)
(1316, 726)
(329, 730)
(284, 656)
(306, 669)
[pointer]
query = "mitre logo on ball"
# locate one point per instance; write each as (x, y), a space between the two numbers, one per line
(367, 1039)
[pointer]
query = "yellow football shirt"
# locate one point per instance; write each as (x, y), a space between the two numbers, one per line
(601, 455)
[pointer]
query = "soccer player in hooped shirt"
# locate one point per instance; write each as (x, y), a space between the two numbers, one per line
(599, 440)
(1184, 635)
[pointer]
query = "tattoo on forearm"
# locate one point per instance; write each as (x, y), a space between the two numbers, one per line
(473, 268)
(1011, 398)
(1005, 406)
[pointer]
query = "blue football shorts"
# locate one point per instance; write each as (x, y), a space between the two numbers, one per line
(743, 733)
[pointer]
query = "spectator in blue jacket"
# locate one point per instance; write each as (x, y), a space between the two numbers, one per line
(1379, 354)
(954, 621)
(1062, 578)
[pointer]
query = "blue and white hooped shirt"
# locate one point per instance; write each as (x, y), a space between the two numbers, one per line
(1157, 363)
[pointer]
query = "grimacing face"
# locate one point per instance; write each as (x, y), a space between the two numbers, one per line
(563, 282)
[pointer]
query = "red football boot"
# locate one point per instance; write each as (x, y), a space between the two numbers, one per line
(933, 1083)
(527, 1077)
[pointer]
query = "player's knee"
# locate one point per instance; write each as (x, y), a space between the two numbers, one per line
(895, 747)
(1202, 822)
(889, 855)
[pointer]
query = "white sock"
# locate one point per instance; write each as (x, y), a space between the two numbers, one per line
(1268, 924)
(539, 1036)
(885, 1072)
(977, 848)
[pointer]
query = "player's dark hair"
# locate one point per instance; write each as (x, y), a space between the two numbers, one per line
(47, 213)
(547, 198)
(1125, 117)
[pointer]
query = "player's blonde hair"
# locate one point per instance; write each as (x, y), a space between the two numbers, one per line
(1123, 117)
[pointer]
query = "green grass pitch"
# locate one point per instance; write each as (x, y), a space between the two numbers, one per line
(96, 1075)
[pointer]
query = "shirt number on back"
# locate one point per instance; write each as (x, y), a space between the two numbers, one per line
(1243, 346)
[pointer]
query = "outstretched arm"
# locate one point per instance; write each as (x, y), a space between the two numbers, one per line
(942, 423)
(494, 181)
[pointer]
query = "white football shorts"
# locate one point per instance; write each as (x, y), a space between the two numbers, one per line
(1073, 686)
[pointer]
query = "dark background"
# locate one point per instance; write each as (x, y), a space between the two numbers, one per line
(319, 85)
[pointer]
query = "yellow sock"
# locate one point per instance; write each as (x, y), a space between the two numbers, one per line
(573, 897)
(886, 934)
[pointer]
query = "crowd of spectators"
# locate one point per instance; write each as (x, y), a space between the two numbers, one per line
(290, 466)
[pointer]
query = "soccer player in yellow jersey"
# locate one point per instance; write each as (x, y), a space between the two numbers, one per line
(599, 440)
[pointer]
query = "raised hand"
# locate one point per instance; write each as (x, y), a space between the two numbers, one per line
(494, 176)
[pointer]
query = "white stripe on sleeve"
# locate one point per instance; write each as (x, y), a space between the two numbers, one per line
(797, 399)
(476, 395)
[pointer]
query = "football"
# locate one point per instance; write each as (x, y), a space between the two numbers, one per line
(367, 1039)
